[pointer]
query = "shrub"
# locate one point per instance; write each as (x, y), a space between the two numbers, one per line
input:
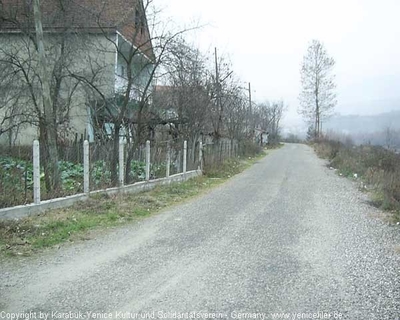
(249, 148)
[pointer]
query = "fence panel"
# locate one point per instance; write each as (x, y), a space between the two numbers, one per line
(70, 164)
(158, 156)
(217, 152)
(106, 166)
(100, 158)
(193, 157)
(16, 176)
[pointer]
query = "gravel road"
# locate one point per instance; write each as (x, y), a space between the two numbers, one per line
(286, 236)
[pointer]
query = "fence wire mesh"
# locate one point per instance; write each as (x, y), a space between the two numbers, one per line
(158, 160)
(218, 152)
(16, 176)
(16, 168)
(100, 165)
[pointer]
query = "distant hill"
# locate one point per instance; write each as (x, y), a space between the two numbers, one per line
(367, 129)
(357, 124)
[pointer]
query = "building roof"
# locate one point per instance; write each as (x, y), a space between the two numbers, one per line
(90, 16)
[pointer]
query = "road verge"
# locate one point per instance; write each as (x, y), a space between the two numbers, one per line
(34, 234)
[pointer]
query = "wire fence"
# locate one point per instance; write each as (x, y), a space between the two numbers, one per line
(108, 166)
(16, 179)
(218, 152)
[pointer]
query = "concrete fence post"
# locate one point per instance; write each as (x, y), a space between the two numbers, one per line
(200, 156)
(168, 165)
(147, 160)
(36, 172)
(86, 179)
(179, 161)
(121, 165)
(184, 156)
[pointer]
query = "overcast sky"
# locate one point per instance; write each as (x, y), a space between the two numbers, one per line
(266, 41)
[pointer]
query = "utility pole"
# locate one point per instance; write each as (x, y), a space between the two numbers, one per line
(48, 115)
(250, 99)
(251, 112)
(220, 105)
(216, 67)
(218, 98)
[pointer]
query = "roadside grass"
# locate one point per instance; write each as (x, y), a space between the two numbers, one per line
(376, 168)
(34, 234)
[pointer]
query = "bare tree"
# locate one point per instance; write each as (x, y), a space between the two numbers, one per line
(236, 113)
(262, 115)
(13, 106)
(317, 98)
(141, 50)
(267, 118)
(276, 113)
(125, 109)
(36, 88)
(188, 86)
(221, 86)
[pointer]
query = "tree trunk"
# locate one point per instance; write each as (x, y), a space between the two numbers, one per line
(44, 155)
(137, 141)
(128, 165)
(115, 155)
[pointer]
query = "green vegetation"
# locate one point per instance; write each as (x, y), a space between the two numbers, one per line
(376, 167)
(16, 178)
(34, 234)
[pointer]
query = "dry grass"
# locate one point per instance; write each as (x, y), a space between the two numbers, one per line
(377, 167)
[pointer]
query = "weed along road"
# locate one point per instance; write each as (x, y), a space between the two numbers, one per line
(286, 239)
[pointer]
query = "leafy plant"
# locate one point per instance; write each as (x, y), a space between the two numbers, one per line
(16, 180)
(100, 174)
(138, 170)
(71, 176)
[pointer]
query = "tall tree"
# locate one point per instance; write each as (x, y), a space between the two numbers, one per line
(318, 97)
(188, 87)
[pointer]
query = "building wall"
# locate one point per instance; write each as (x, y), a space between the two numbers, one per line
(141, 68)
(91, 58)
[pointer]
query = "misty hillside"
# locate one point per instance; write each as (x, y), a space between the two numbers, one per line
(381, 129)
